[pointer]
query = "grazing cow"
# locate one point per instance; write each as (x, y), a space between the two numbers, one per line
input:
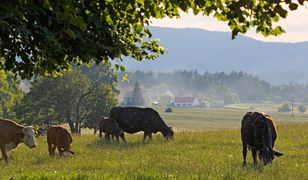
(135, 119)
(110, 127)
(59, 137)
(258, 133)
(11, 134)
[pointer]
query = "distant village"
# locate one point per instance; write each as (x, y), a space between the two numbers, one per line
(127, 99)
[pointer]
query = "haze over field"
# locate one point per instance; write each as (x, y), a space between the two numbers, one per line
(189, 48)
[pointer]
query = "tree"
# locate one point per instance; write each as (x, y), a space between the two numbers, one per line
(79, 97)
(46, 37)
(10, 95)
(284, 108)
(137, 95)
(301, 108)
(226, 94)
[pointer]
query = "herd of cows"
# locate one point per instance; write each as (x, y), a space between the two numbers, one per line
(258, 132)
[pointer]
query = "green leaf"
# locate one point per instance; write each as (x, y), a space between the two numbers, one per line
(147, 31)
(125, 77)
(293, 6)
(138, 27)
(123, 68)
(116, 67)
(108, 19)
(140, 1)
(70, 33)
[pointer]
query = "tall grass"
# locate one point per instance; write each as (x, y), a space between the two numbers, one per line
(202, 154)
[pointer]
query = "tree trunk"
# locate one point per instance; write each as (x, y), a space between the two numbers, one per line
(72, 126)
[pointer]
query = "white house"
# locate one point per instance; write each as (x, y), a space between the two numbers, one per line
(185, 102)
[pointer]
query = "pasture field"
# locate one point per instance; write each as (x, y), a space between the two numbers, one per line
(206, 146)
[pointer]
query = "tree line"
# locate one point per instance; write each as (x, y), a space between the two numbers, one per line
(78, 97)
(232, 87)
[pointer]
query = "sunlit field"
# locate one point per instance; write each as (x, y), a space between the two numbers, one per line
(206, 146)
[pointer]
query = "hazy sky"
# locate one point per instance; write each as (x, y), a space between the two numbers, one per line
(296, 25)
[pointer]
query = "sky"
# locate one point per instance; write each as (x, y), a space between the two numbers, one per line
(295, 25)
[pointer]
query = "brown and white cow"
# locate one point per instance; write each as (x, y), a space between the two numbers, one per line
(258, 133)
(59, 137)
(11, 134)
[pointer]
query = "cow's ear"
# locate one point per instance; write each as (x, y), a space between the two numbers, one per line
(36, 134)
(278, 154)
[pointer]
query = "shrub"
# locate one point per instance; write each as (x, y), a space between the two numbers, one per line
(301, 108)
(284, 108)
(169, 109)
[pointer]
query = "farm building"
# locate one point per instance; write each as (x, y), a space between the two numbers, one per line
(185, 102)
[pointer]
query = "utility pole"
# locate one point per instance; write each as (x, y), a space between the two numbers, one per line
(292, 108)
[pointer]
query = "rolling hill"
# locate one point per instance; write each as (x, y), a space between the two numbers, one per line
(277, 63)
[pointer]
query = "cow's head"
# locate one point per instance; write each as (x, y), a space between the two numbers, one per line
(68, 153)
(268, 155)
(29, 137)
(168, 134)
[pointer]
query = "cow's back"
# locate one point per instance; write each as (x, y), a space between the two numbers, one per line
(129, 118)
(134, 119)
(59, 136)
(8, 130)
(251, 132)
(247, 128)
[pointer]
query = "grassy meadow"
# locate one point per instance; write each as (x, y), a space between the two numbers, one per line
(206, 146)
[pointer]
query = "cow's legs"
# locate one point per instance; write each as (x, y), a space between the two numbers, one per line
(122, 136)
(244, 153)
(107, 136)
(4, 154)
(254, 156)
(60, 151)
(146, 133)
(117, 137)
(144, 136)
(51, 150)
(150, 136)
(100, 133)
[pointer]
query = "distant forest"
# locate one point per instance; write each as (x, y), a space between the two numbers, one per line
(234, 87)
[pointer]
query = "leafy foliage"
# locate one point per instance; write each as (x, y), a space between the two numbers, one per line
(46, 37)
(301, 108)
(78, 97)
(10, 95)
(284, 108)
(243, 86)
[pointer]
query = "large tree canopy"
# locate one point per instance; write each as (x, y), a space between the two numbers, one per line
(79, 97)
(46, 37)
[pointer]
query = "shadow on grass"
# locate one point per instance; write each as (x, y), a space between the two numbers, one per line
(259, 167)
(103, 143)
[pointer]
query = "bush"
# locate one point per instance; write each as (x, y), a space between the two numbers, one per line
(301, 108)
(169, 109)
(284, 108)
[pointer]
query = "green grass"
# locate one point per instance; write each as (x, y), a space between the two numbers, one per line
(210, 152)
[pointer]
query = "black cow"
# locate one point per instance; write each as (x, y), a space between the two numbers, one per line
(258, 133)
(135, 119)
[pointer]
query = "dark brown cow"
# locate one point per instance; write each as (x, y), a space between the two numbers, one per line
(59, 137)
(11, 134)
(111, 128)
(258, 133)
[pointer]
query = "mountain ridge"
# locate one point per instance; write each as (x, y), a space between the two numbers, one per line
(213, 51)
